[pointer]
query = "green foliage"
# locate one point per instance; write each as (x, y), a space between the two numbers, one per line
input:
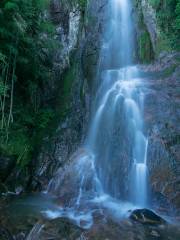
(26, 47)
(155, 3)
(82, 3)
(19, 146)
(44, 117)
(47, 27)
(3, 88)
(169, 71)
(2, 58)
(164, 43)
(145, 47)
(68, 77)
(11, 6)
(177, 20)
(168, 18)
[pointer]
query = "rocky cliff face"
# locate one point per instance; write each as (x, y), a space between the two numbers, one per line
(161, 104)
(145, 32)
(162, 117)
(158, 29)
(150, 21)
(79, 33)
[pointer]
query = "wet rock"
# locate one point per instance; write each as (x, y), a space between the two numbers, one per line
(35, 232)
(161, 116)
(20, 236)
(55, 229)
(146, 216)
(80, 46)
(56, 150)
(15, 183)
(6, 165)
(19, 190)
(150, 21)
(161, 204)
(155, 234)
(67, 181)
(5, 234)
(110, 230)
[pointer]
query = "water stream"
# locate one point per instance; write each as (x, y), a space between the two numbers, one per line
(116, 136)
(111, 170)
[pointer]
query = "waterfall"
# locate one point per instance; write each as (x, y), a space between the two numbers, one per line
(112, 167)
(119, 111)
(116, 136)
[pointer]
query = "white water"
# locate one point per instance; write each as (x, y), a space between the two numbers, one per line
(124, 95)
(120, 98)
(111, 173)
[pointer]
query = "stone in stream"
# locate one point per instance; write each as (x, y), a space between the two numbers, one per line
(146, 216)
(59, 228)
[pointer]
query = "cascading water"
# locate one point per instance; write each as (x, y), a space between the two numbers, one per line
(118, 119)
(112, 165)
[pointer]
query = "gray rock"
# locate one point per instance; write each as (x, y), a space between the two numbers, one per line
(155, 234)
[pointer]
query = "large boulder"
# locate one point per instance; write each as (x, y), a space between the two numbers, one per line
(146, 216)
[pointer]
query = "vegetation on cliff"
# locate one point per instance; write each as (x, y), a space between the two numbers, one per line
(158, 25)
(31, 101)
(168, 20)
(26, 47)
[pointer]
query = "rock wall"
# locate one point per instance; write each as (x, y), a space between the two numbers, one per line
(160, 20)
(162, 117)
(161, 105)
(145, 31)
(80, 40)
(150, 21)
